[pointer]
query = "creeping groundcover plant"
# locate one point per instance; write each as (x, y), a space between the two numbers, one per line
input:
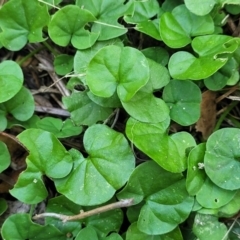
(119, 119)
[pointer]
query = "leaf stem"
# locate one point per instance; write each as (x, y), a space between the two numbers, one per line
(225, 113)
(21, 61)
(82, 214)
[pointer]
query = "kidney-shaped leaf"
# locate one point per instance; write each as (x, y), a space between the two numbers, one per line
(222, 157)
(165, 209)
(47, 156)
(20, 226)
(11, 80)
(21, 21)
(46, 152)
(107, 14)
(96, 178)
(67, 25)
(114, 68)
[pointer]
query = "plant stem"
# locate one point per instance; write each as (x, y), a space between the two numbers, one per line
(20, 62)
(225, 113)
(82, 215)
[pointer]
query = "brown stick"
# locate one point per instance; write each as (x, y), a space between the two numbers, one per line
(82, 215)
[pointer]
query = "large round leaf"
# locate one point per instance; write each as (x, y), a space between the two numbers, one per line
(222, 158)
(95, 179)
(11, 80)
(5, 157)
(114, 68)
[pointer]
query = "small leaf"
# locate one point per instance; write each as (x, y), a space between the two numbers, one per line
(5, 157)
(106, 169)
(157, 54)
(139, 187)
(21, 106)
(22, 21)
(107, 17)
(195, 175)
(11, 80)
(142, 11)
(217, 197)
(150, 28)
(222, 158)
(87, 233)
(59, 128)
(127, 73)
(83, 110)
(183, 99)
(62, 205)
(133, 233)
(20, 226)
(166, 208)
(72, 29)
(63, 64)
(208, 227)
(204, 6)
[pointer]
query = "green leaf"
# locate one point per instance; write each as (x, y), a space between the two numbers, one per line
(61, 129)
(139, 187)
(214, 51)
(62, 205)
(127, 73)
(72, 29)
(178, 27)
(20, 226)
(228, 73)
(157, 54)
(145, 107)
(22, 21)
(84, 56)
(222, 158)
(47, 156)
(166, 208)
(11, 80)
(204, 6)
(217, 197)
(21, 106)
(142, 11)
(208, 227)
(152, 139)
(107, 14)
(106, 169)
(87, 233)
(83, 110)
(3, 206)
(150, 28)
(195, 174)
(231, 208)
(63, 64)
(5, 157)
(183, 99)
(133, 233)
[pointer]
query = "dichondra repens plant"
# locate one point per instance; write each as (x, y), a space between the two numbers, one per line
(131, 70)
